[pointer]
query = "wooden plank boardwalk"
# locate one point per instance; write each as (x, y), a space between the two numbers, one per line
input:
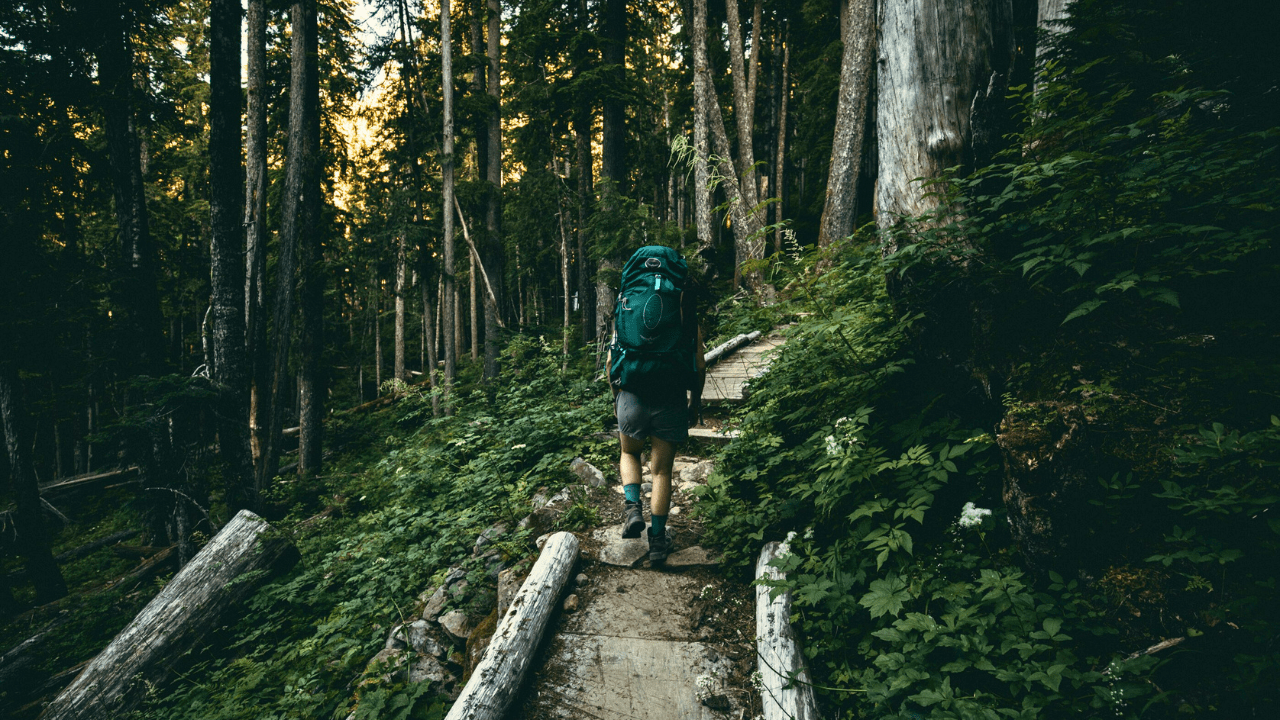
(726, 380)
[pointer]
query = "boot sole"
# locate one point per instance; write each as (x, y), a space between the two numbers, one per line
(633, 531)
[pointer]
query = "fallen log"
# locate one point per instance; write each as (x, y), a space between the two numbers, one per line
(724, 348)
(497, 677)
(79, 552)
(84, 482)
(786, 693)
(191, 604)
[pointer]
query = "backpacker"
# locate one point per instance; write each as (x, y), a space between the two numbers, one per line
(652, 348)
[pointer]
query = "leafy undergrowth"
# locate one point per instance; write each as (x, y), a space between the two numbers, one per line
(912, 598)
(412, 505)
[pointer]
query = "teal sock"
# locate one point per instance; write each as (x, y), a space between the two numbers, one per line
(632, 492)
(657, 524)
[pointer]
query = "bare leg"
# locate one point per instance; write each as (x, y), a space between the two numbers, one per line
(664, 455)
(629, 464)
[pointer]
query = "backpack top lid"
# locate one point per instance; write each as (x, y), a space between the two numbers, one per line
(655, 259)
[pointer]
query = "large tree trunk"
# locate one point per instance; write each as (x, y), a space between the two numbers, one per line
(934, 58)
(192, 603)
(448, 293)
(702, 101)
(137, 297)
(255, 222)
(311, 371)
(32, 539)
(747, 223)
(613, 144)
(838, 214)
(226, 249)
(297, 175)
(493, 255)
(780, 164)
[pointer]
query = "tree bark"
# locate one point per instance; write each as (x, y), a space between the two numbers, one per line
(701, 145)
(291, 228)
(780, 164)
(449, 293)
(190, 605)
(137, 296)
(497, 677)
(32, 538)
(933, 59)
(838, 213)
(776, 647)
(230, 370)
(399, 327)
(312, 375)
(493, 255)
(256, 230)
(429, 334)
(586, 299)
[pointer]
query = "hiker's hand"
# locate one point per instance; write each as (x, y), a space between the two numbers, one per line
(695, 412)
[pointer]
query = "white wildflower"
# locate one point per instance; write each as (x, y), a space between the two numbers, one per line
(704, 683)
(757, 681)
(971, 515)
(833, 446)
(518, 447)
(707, 590)
(842, 421)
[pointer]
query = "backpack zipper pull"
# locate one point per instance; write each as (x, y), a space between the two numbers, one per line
(657, 281)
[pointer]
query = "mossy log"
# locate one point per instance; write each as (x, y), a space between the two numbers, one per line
(499, 673)
(191, 604)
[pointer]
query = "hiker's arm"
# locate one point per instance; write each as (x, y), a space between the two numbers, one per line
(608, 363)
(695, 395)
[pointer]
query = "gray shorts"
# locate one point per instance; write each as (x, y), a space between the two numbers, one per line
(666, 418)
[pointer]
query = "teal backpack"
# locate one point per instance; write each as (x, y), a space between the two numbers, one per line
(652, 348)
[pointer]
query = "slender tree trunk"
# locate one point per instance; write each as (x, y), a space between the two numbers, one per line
(780, 164)
(564, 284)
(851, 120)
(429, 332)
(475, 311)
(230, 370)
(400, 315)
(137, 298)
(493, 259)
(377, 338)
(255, 223)
(32, 537)
(446, 161)
(934, 58)
(702, 111)
(586, 294)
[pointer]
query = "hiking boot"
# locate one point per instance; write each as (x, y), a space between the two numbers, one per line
(633, 525)
(659, 548)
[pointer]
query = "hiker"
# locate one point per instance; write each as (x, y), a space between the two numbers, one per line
(655, 357)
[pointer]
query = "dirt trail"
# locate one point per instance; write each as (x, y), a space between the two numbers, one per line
(647, 643)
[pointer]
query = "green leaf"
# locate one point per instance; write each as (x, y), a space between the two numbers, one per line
(886, 597)
(1083, 309)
